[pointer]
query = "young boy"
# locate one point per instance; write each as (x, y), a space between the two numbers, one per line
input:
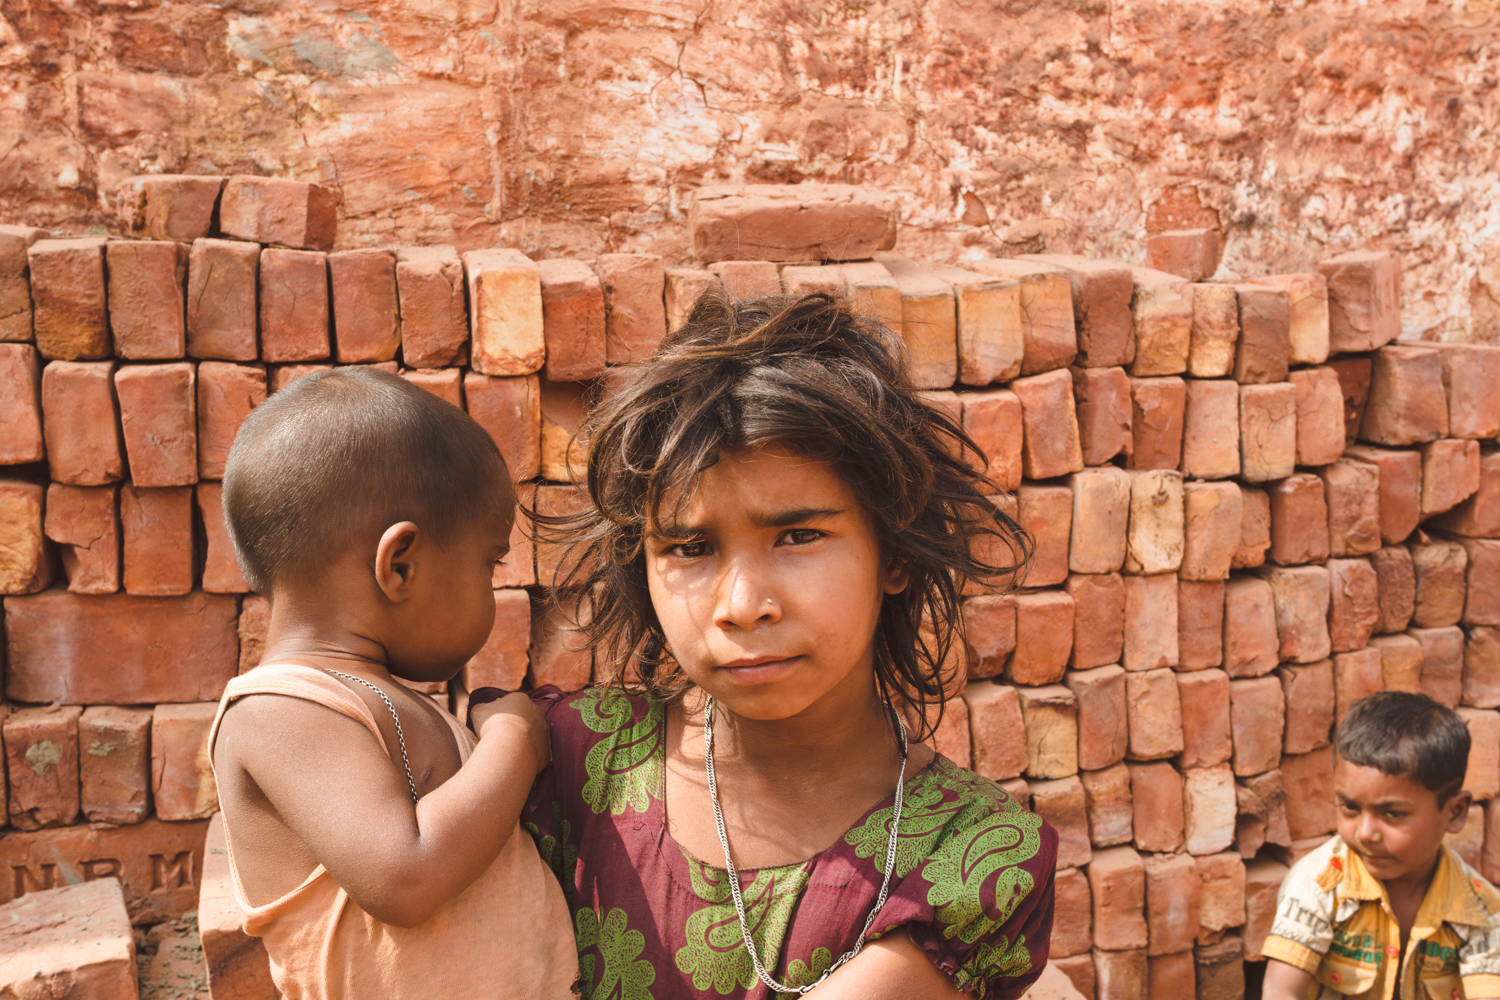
(374, 845)
(1386, 910)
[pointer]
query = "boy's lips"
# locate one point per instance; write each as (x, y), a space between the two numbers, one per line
(758, 669)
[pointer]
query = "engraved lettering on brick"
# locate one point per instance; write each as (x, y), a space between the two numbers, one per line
(174, 874)
(27, 880)
(100, 868)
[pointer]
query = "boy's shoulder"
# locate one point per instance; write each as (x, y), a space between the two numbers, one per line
(1331, 879)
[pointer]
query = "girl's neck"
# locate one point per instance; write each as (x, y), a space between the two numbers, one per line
(849, 729)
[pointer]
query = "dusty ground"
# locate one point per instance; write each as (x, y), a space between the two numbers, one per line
(577, 126)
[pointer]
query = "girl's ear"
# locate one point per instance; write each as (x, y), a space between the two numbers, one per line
(897, 576)
(395, 565)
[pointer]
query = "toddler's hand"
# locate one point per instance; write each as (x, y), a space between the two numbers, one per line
(518, 711)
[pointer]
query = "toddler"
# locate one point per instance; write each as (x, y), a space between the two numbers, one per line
(374, 845)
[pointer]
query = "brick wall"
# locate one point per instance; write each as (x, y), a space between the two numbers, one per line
(1251, 508)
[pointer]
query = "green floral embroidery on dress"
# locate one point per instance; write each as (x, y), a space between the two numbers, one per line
(624, 768)
(715, 954)
(927, 810)
(625, 976)
(1001, 959)
(800, 973)
(558, 853)
(959, 869)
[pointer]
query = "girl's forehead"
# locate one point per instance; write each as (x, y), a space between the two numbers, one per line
(763, 485)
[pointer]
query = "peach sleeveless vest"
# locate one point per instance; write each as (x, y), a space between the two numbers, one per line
(508, 934)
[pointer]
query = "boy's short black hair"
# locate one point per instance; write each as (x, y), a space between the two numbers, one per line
(349, 451)
(1409, 736)
(810, 374)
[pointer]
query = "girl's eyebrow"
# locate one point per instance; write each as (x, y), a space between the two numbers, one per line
(791, 516)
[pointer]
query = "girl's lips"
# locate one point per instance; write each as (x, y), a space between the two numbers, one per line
(760, 671)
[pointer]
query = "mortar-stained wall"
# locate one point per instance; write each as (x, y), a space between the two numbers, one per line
(575, 127)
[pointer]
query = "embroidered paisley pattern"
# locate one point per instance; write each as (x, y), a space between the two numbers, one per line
(715, 955)
(971, 874)
(624, 768)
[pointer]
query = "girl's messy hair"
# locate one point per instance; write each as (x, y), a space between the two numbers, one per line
(812, 376)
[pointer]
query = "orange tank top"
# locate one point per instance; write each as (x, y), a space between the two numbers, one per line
(507, 935)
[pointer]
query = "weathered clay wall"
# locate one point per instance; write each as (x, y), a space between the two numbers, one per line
(581, 126)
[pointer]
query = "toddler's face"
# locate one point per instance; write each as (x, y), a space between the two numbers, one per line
(769, 588)
(1394, 824)
(452, 607)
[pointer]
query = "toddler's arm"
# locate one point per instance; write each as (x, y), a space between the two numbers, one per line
(339, 793)
(1284, 982)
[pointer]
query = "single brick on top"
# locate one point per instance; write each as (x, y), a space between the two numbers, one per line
(635, 318)
(280, 211)
(1364, 300)
(169, 206)
(159, 419)
(789, 222)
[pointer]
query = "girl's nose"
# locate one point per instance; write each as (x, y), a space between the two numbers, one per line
(745, 601)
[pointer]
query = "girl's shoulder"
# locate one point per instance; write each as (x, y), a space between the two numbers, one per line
(594, 712)
(975, 869)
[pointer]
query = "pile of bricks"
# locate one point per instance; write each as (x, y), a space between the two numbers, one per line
(1251, 507)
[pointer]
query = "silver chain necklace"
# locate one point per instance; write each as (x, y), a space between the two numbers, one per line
(734, 877)
(400, 736)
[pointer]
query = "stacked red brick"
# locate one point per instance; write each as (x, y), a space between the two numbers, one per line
(1250, 510)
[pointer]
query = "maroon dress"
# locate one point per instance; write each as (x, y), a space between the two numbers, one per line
(972, 885)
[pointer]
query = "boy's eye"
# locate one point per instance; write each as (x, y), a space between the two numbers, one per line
(802, 536)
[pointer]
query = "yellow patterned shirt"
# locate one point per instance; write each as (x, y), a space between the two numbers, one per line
(1333, 919)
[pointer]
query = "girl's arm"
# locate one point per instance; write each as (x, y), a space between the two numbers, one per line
(892, 968)
(349, 804)
(1283, 982)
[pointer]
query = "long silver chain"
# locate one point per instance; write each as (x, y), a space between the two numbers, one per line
(400, 736)
(734, 876)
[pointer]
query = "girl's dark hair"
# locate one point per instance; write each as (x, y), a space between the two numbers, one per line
(810, 375)
(1409, 736)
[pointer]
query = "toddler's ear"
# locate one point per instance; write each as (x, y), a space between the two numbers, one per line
(394, 565)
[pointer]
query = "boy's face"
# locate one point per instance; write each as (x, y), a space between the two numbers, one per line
(1395, 825)
(769, 588)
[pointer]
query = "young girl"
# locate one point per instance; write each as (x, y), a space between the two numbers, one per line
(780, 534)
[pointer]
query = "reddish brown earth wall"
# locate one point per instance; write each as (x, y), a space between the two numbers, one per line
(576, 127)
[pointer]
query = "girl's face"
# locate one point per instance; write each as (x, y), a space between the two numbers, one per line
(769, 587)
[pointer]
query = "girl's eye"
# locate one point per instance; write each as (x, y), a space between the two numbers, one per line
(689, 550)
(802, 536)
